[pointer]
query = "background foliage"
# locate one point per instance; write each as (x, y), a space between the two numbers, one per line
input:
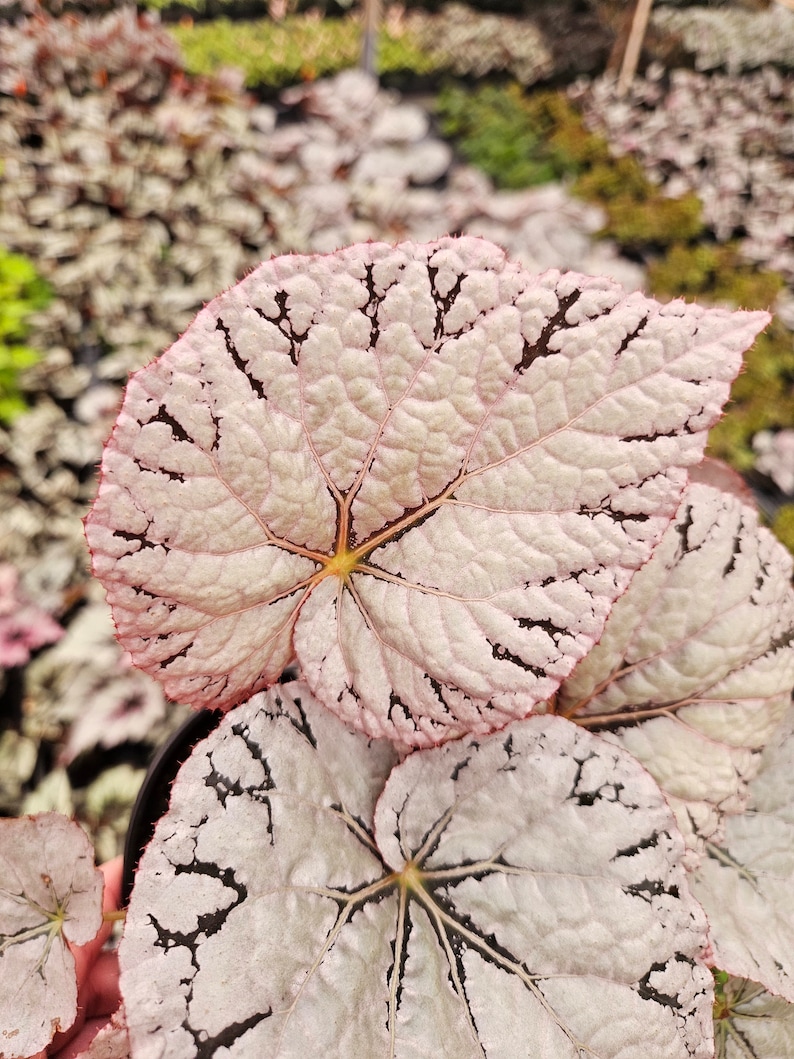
(22, 292)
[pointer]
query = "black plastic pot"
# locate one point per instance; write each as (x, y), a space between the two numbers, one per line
(152, 800)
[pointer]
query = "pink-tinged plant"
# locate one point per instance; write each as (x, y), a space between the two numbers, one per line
(420, 470)
(50, 893)
(495, 893)
(457, 495)
(23, 626)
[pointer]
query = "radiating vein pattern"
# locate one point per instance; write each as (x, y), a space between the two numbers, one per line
(307, 895)
(422, 470)
(751, 1023)
(50, 894)
(686, 695)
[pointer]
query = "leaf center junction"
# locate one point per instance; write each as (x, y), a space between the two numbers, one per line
(410, 878)
(342, 563)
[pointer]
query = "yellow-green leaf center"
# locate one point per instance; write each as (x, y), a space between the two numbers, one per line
(342, 564)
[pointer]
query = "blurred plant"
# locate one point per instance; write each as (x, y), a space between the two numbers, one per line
(23, 625)
(783, 526)
(275, 54)
(122, 55)
(22, 292)
(639, 214)
(762, 397)
(495, 131)
(136, 225)
(522, 138)
(471, 43)
(714, 272)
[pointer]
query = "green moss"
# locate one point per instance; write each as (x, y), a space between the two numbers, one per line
(494, 131)
(762, 398)
(715, 273)
(653, 221)
(22, 292)
(639, 215)
(199, 6)
(560, 126)
(269, 53)
(403, 53)
(274, 54)
(783, 526)
(520, 139)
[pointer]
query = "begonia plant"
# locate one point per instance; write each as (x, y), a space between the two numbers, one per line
(531, 792)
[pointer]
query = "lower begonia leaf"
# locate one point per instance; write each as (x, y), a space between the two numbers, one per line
(420, 469)
(696, 664)
(745, 882)
(497, 897)
(50, 893)
(750, 1023)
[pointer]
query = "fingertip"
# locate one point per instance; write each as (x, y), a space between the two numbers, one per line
(104, 995)
(112, 871)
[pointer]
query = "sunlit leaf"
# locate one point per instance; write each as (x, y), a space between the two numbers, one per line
(517, 894)
(696, 664)
(745, 882)
(422, 470)
(50, 893)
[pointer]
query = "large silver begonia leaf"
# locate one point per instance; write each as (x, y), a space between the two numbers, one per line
(696, 664)
(515, 894)
(50, 893)
(422, 470)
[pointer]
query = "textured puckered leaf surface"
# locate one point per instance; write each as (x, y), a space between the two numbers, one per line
(420, 469)
(745, 883)
(752, 1024)
(702, 644)
(517, 894)
(50, 892)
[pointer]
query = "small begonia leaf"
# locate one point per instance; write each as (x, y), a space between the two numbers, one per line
(50, 893)
(519, 893)
(745, 882)
(696, 664)
(751, 1024)
(420, 469)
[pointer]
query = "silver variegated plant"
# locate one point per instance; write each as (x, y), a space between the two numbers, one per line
(532, 792)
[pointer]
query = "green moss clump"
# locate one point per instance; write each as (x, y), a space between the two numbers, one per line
(783, 526)
(639, 215)
(520, 139)
(561, 128)
(715, 273)
(494, 131)
(269, 53)
(299, 48)
(22, 292)
(762, 398)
